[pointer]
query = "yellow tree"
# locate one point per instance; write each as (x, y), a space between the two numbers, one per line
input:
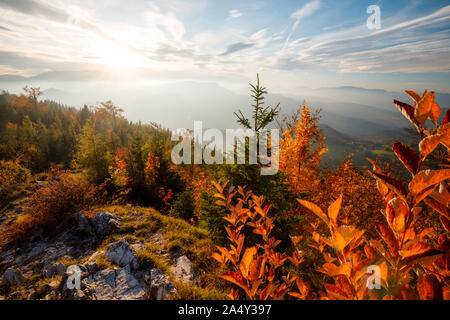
(301, 149)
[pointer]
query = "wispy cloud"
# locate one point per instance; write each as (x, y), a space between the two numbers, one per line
(234, 14)
(403, 47)
(235, 47)
(298, 15)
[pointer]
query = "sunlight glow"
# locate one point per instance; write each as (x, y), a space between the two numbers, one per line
(116, 57)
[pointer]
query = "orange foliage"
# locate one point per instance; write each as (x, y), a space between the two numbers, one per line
(54, 205)
(151, 168)
(254, 269)
(167, 199)
(301, 150)
(401, 249)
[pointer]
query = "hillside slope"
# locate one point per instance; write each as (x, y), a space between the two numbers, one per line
(122, 253)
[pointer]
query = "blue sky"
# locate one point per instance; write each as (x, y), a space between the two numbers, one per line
(313, 43)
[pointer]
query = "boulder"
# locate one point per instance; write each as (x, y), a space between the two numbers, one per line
(83, 223)
(12, 277)
(122, 254)
(160, 286)
(183, 269)
(54, 269)
(105, 223)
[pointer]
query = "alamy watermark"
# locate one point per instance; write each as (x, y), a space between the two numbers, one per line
(374, 20)
(210, 147)
(374, 278)
(74, 278)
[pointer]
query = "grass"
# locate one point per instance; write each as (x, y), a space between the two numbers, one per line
(149, 258)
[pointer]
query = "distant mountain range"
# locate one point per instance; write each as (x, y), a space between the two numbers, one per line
(351, 117)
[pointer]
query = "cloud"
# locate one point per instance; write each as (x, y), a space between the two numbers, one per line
(235, 47)
(259, 34)
(234, 14)
(168, 20)
(411, 46)
(307, 10)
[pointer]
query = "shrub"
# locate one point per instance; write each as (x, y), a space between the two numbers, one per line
(11, 172)
(401, 250)
(254, 269)
(184, 206)
(54, 205)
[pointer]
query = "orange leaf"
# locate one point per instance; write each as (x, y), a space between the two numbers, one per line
(246, 260)
(423, 110)
(334, 209)
(427, 145)
(314, 208)
(427, 178)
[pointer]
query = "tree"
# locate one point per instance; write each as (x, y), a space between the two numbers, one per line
(301, 149)
(92, 154)
(262, 116)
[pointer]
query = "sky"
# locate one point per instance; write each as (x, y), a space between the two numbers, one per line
(292, 44)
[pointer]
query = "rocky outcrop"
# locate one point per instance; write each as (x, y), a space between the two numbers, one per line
(111, 273)
(102, 224)
(115, 284)
(122, 254)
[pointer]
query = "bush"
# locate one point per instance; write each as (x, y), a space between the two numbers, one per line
(55, 205)
(184, 206)
(11, 172)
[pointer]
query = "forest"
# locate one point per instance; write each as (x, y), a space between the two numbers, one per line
(307, 232)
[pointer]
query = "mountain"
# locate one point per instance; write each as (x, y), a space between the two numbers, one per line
(355, 120)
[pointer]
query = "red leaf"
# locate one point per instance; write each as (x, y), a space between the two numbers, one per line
(408, 111)
(407, 156)
(392, 184)
(446, 118)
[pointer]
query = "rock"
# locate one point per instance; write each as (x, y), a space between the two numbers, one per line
(160, 285)
(54, 269)
(83, 223)
(7, 258)
(80, 295)
(104, 284)
(127, 286)
(105, 223)
(13, 277)
(37, 249)
(117, 284)
(60, 269)
(122, 254)
(91, 264)
(183, 269)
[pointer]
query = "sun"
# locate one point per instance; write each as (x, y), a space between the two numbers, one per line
(116, 57)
